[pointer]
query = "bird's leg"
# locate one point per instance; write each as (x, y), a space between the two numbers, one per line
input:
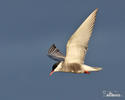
(86, 72)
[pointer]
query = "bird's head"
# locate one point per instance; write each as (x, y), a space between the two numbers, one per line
(53, 68)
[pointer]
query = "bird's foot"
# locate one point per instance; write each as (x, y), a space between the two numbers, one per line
(86, 72)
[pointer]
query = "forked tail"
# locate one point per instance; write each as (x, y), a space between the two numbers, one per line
(89, 68)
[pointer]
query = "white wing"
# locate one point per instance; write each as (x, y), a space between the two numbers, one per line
(78, 42)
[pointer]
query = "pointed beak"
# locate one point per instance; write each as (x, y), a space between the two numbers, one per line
(51, 73)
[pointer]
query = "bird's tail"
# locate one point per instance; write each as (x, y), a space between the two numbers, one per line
(89, 68)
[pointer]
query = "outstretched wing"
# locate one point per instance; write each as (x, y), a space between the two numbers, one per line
(55, 54)
(78, 42)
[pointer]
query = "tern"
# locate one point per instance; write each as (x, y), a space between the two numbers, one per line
(76, 49)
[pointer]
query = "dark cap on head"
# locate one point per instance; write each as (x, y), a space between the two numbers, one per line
(55, 65)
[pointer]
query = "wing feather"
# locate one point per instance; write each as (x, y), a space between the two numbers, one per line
(78, 42)
(55, 54)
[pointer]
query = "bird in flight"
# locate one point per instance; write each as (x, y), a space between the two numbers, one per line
(76, 49)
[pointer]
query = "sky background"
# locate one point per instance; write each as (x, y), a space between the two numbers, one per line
(29, 27)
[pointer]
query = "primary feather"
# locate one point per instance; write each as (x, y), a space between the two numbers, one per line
(55, 53)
